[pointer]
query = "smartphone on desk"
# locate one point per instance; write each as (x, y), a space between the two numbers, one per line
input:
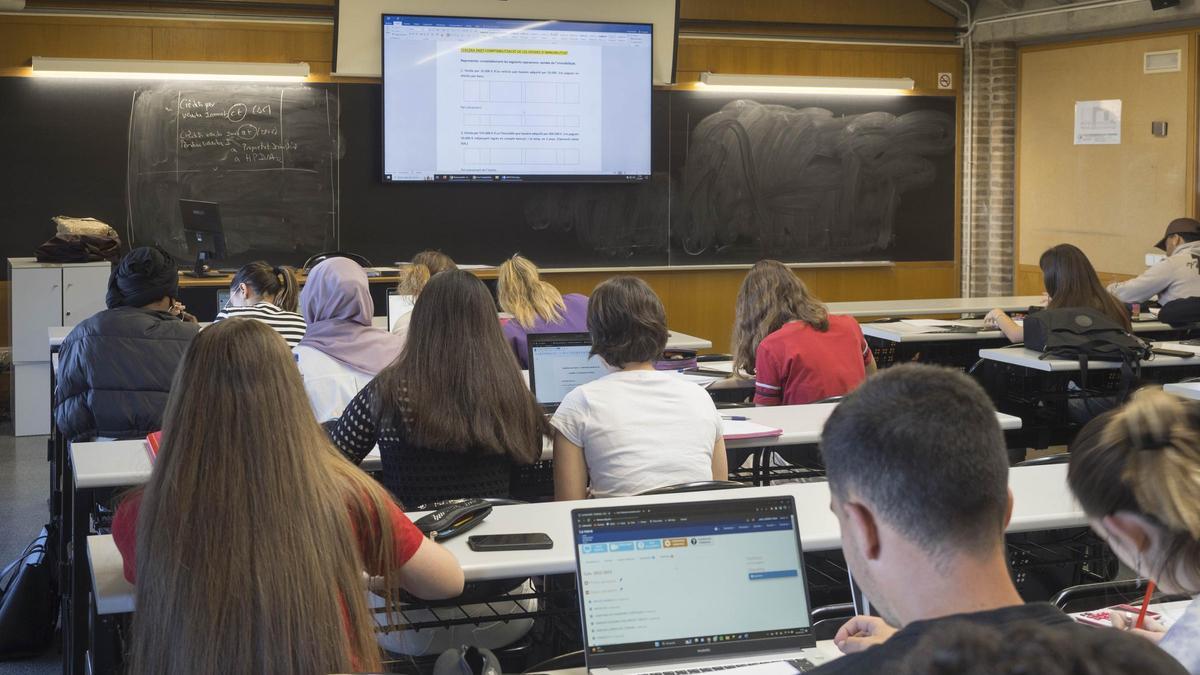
(528, 541)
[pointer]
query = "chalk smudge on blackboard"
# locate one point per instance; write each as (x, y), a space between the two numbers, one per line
(792, 181)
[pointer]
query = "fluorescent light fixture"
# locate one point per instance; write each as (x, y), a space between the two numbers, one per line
(135, 69)
(803, 84)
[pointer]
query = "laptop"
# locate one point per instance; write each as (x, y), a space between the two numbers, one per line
(559, 362)
(398, 305)
(693, 586)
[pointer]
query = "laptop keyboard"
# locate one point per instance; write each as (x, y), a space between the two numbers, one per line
(801, 665)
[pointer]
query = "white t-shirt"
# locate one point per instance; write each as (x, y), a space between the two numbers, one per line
(330, 384)
(640, 430)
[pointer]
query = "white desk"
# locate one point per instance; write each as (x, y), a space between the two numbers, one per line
(116, 464)
(127, 463)
(1027, 358)
(1189, 390)
(895, 331)
(933, 306)
(1041, 501)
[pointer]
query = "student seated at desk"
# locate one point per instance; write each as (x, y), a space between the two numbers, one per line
(115, 367)
(250, 541)
(268, 294)
(414, 277)
(785, 337)
(918, 476)
(536, 306)
(1136, 472)
(965, 648)
(452, 416)
(341, 350)
(1175, 278)
(637, 428)
(1070, 281)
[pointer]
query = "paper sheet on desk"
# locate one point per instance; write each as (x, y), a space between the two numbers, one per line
(734, 429)
(933, 325)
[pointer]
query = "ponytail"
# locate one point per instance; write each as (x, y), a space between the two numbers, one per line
(288, 296)
(277, 285)
(522, 293)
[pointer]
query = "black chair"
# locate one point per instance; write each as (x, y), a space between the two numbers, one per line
(1087, 597)
(314, 260)
(1060, 458)
(828, 619)
(697, 486)
(561, 662)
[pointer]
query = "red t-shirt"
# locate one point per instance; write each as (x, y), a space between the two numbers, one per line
(799, 364)
(406, 536)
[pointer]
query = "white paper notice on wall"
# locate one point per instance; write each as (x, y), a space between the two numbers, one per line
(1098, 122)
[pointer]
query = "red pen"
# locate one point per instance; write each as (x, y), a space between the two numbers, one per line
(1145, 604)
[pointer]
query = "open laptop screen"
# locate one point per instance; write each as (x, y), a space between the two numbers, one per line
(559, 362)
(691, 579)
(397, 306)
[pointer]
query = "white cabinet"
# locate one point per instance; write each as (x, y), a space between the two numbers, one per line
(45, 295)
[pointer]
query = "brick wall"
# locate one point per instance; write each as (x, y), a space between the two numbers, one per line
(988, 175)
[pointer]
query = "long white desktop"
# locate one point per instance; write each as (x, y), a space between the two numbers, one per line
(1041, 501)
(868, 309)
(115, 464)
(1032, 360)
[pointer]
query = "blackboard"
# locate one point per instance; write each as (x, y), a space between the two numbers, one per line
(268, 155)
(734, 179)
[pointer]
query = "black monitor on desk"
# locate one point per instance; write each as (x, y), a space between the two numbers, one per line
(204, 234)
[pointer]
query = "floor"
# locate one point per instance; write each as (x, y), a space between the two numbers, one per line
(24, 489)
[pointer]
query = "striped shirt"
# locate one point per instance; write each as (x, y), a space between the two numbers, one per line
(288, 324)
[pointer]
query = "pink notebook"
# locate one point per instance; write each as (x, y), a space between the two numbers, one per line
(738, 429)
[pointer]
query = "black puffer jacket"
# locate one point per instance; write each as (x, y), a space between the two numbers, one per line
(115, 372)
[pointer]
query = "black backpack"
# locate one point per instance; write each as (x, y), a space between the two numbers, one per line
(1085, 335)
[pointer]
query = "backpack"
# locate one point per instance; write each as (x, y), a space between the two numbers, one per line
(1181, 312)
(1085, 335)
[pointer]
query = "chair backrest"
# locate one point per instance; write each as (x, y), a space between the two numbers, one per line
(828, 619)
(1087, 597)
(314, 260)
(697, 486)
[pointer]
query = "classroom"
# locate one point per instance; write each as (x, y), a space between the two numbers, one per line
(634, 337)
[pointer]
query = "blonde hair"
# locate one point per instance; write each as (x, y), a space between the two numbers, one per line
(1145, 458)
(254, 531)
(770, 296)
(424, 265)
(523, 294)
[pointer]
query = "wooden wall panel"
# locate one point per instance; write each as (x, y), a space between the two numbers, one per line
(23, 37)
(904, 13)
(1113, 201)
(922, 64)
(701, 302)
(1029, 279)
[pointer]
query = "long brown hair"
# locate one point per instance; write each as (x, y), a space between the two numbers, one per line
(457, 380)
(771, 296)
(1145, 458)
(424, 265)
(276, 285)
(1071, 281)
(248, 560)
(523, 294)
